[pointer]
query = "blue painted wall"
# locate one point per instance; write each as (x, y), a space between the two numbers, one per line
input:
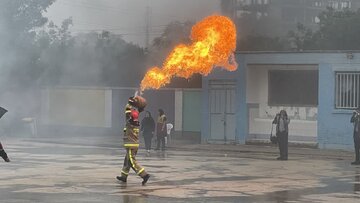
(334, 128)
(242, 130)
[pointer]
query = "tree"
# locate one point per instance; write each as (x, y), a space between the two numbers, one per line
(302, 38)
(175, 33)
(19, 20)
(338, 30)
(261, 43)
(54, 43)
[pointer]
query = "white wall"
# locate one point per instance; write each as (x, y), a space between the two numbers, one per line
(178, 110)
(303, 119)
(77, 107)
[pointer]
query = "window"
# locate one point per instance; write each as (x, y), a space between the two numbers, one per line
(334, 4)
(293, 88)
(247, 2)
(318, 3)
(347, 87)
(345, 4)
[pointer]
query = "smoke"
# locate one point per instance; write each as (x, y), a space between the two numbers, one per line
(36, 55)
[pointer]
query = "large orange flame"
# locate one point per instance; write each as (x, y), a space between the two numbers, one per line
(213, 44)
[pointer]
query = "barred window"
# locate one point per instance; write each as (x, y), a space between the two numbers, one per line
(347, 90)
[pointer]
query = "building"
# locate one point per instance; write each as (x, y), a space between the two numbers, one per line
(280, 16)
(319, 90)
(99, 111)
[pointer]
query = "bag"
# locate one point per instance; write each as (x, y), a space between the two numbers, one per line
(273, 138)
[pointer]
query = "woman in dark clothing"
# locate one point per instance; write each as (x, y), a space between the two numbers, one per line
(282, 132)
(147, 129)
(161, 130)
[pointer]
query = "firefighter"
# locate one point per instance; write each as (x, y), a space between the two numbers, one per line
(131, 139)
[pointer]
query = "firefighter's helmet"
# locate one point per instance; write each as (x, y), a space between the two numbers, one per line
(138, 102)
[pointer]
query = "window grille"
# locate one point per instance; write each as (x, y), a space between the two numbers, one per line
(347, 90)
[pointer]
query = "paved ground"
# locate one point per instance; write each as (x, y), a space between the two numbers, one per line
(83, 169)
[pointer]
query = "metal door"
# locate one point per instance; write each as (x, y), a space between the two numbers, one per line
(222, 104)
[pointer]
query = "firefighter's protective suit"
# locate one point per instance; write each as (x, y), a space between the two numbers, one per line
(131, 140)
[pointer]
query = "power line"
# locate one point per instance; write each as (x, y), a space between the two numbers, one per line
(88, 23)
(148, 22)
(100, 30)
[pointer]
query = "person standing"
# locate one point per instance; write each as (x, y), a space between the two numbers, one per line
(147, 129)
(282, 132)
(355, 119)
(161, 130)
(131, 139)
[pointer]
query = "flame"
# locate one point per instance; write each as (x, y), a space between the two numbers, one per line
(213, 44)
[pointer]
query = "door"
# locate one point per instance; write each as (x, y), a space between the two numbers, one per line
(222, 108)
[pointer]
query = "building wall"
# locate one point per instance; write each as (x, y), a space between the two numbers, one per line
(96, 110)
(191, 111)
(333, 127)
(303, 126)
(78, 107)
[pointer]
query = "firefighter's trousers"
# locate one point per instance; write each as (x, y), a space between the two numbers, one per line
(130, 162)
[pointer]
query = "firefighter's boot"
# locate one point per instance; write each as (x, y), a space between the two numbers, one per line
(122, 178)
(145, 179)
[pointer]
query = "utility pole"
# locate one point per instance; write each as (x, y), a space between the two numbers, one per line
(147, 27)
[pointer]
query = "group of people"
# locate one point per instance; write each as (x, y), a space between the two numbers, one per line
(282, 121)
(148, 130)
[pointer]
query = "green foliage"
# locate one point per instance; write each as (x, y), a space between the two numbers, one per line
(261, 43)
(19, 59)
(338, 30)
(36, 52)
(302, 38)
(175, 33)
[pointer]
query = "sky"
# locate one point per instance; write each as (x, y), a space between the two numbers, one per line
(129, 17)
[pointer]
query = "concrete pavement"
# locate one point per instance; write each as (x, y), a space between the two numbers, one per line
(80, 169)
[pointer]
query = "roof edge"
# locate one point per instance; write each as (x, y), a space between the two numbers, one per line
(298, 52)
